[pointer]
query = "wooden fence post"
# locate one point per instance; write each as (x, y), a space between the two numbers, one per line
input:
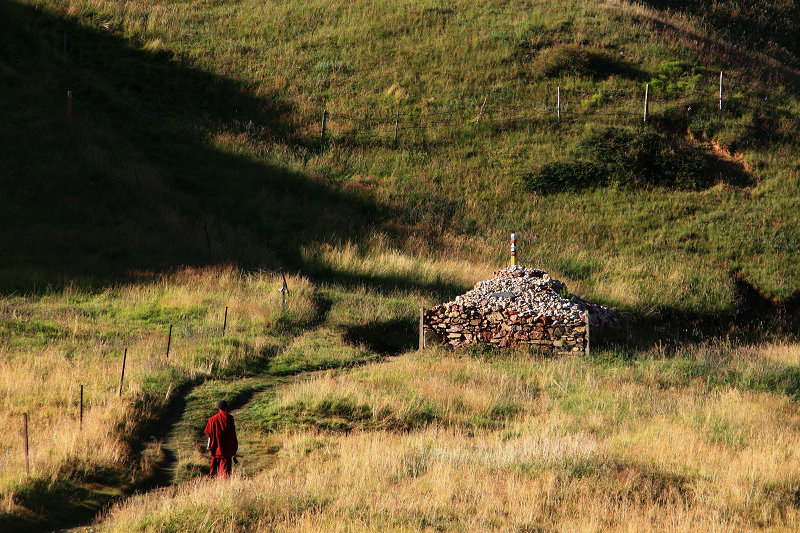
(25, 430)
(284, 292)
(646, 101)
(138, 181)
(586, 315)
(169, 339)
(225, 322)
(122, 376)
(208, 236)
(421, 328)
(558, 103)
(481, 112)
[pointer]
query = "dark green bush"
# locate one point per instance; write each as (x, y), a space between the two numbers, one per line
(565, 176)
(626, 159)
(576, 60)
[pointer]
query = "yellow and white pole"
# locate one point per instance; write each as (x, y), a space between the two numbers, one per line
(513, 249)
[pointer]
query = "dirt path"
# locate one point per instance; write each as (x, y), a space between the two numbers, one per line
(181, 432)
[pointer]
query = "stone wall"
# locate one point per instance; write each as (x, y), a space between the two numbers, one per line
(458, 325)
(518, 307)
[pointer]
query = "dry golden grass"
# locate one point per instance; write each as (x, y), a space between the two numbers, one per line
(379, 259)
(413, 392)
(52, 344)
(595, 448)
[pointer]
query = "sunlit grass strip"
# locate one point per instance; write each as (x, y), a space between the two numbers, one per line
(454, 481)
(52, 344)
(595, 446)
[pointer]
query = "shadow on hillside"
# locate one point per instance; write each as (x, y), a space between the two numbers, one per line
(765, 29)
(389, 337)
(145, 176)
(755, 319)
(387, 284)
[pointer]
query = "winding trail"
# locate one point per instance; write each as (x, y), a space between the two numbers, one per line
(181, 434)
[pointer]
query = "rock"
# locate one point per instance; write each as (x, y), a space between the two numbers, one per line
(518, 306)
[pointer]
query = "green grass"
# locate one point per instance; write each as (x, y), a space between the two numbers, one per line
(594, 431)
(195, 140)
(222, 99)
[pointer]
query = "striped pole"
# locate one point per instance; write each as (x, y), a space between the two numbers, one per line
(513, 249)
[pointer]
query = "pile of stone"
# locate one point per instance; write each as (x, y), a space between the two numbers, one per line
(519, 306)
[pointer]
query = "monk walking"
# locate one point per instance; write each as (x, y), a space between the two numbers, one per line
(222, 443)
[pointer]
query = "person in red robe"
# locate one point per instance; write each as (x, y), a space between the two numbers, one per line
(222, 443)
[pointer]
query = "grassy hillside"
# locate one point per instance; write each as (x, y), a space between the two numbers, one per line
(193, 167)
(196, 138)
(703, 441)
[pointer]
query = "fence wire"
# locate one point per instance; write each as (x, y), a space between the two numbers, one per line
(574, 105)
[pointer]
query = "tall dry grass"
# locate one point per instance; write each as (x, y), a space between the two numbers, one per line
(51, 344)
(595, 448)
(377, 258)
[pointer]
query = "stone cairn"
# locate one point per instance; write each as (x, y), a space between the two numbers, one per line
(519, 306)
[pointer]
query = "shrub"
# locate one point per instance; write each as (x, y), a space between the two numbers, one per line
(574, 59)
(625, 159)
(675, 78)
(565, 176)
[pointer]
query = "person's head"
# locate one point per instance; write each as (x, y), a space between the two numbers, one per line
(222, 405)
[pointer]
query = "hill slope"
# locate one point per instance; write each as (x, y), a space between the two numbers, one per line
(195, 140)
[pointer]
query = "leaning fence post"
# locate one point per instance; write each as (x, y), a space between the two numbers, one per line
(284, 292)
(481, 112)
(646, 101)
(169, 339)
(25, 430)
(122, 376)
(208, 236)
(225, 321)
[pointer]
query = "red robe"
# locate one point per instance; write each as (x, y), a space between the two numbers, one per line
(223, 445)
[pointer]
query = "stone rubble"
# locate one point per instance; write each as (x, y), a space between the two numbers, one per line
(519, 306)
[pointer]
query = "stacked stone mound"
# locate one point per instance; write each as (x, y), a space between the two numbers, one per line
(519, 306)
